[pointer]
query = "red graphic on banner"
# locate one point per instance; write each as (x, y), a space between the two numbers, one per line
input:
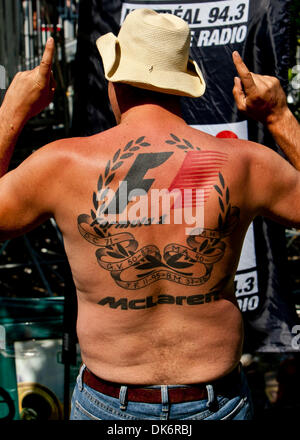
(199, 170)
(227, 134)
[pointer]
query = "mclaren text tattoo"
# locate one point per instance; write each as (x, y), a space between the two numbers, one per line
(152, 301)
(133, 266)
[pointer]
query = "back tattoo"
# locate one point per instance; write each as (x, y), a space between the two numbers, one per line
(110, 226)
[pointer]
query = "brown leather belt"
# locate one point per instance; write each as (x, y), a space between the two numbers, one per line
(178, 394)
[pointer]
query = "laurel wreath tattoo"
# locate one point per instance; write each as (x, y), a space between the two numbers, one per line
(182, 144)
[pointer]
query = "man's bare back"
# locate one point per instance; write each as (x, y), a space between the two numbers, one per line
(161, 300)
(155, 304)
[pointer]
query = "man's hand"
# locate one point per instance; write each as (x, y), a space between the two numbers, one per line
(260, 96)
(31, 91)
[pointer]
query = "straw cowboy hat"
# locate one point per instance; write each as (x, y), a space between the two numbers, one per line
(151, 51)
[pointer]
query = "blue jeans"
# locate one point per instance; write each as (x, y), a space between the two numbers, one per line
(89, 404)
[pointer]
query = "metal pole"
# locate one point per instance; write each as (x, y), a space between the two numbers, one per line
(39, 29)
(19, 33)
(30, 23)
(26, 34)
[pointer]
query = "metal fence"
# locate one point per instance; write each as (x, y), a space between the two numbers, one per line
(10, 39)
(25, 26)
(42, 19)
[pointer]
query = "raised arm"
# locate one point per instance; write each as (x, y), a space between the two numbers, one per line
(24, 191)
(29, 93)
(262, 98)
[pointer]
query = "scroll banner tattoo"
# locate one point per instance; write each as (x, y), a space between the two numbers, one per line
(149, 257)
(133, 268)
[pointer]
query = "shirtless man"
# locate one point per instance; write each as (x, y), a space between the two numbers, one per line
(158, 325)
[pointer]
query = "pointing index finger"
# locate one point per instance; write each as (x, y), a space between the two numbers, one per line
(46, 62)
(243, 71)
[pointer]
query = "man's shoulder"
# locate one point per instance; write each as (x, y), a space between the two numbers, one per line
(71, 149)
(236, 146)
(66, 145)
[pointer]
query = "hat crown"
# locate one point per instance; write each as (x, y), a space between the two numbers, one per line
(151, 52)
(158, 40)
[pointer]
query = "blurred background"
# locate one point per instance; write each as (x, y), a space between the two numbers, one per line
(39, 354)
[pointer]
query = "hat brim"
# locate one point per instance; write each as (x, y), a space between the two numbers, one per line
(130, 71)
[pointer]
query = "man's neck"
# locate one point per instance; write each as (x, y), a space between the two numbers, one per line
(154, 113)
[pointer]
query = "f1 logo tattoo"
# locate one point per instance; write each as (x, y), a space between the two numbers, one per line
(135, 179)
